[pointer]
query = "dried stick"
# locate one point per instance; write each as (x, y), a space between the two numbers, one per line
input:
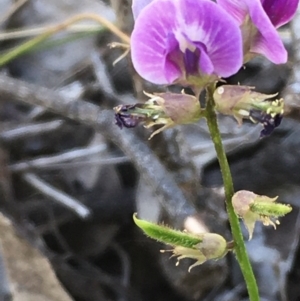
(56, 195)
(102, 120)
(63, 157)
(29, 130)
(12, 10)
(32, 164)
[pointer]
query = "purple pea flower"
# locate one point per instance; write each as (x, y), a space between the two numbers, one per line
(184, 41)
(259, 20)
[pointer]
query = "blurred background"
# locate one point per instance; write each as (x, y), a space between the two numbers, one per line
(70, 179)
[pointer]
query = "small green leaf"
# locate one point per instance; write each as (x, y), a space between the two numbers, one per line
(167, 235)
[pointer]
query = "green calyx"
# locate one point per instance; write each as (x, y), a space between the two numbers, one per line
(270, 209)
(167, 235)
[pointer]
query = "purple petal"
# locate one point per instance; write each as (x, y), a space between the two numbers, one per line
(205, 63)
(138, 6)
(207, 23)
(191, 61)
(280, 12)
(236, 8)
(267, 42)
(150, 40)
(171, 56)
(166, 29)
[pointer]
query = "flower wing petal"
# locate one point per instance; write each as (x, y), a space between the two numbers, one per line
(267, 41)
(205, 63)
(280, 12)
(150, 40)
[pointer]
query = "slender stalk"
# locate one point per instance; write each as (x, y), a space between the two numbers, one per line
(239, 245)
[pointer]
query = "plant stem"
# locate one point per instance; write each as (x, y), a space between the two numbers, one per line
(239, 245)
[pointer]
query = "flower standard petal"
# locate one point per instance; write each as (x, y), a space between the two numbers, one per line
(236, 8)
(207, 24)
(280, 12)
(173, 39)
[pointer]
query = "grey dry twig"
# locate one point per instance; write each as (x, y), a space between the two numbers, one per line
(30, 130)
(87, 113)
(57, 195)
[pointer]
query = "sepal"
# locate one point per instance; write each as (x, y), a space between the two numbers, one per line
(166, 109)
(252, 208)
(200, 247)
(242, 102)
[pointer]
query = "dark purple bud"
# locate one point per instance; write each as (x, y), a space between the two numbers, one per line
(268, 121)
(125, 118)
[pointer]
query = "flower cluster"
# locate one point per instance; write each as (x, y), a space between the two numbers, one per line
(195, 43)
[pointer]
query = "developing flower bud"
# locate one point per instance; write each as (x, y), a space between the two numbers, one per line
(242, 102)
(167, 109)
(213, 246)
(252, 207)
(200, 247)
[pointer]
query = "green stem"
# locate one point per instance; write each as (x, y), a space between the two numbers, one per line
(239, 245)
(23, 48)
